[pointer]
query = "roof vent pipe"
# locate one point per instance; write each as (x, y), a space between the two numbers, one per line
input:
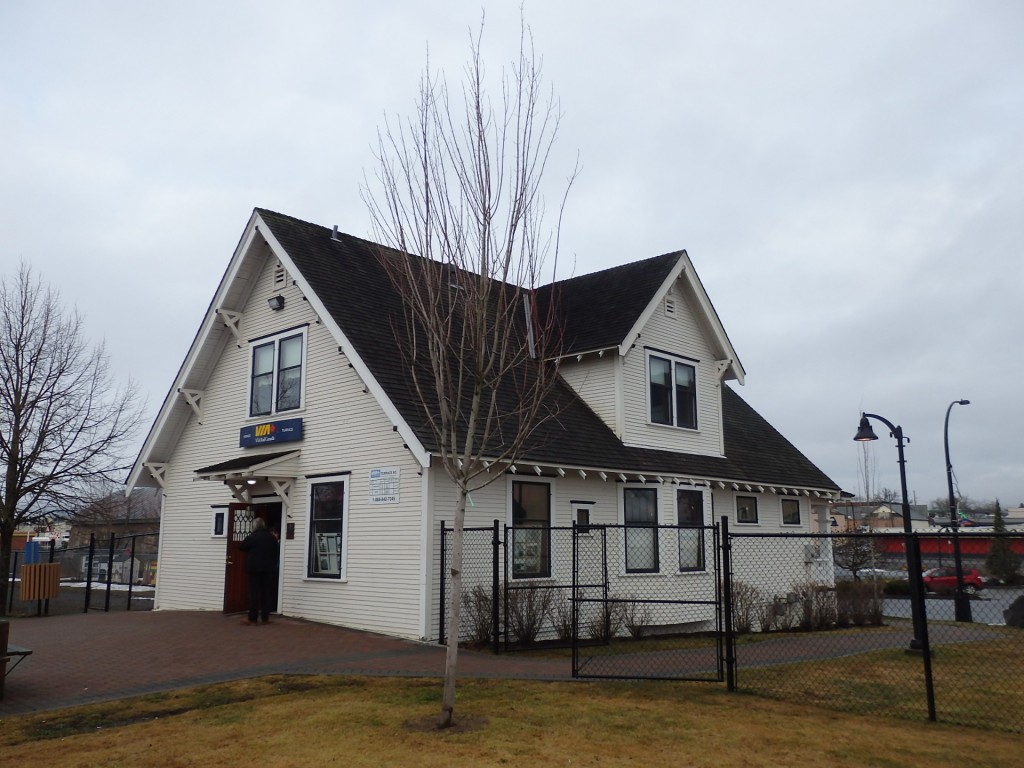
(334, 234)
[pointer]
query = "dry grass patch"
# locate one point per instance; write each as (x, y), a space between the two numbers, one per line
(324, 721)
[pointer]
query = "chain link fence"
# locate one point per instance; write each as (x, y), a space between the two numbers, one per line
(836, 621)
(111, 573)
(828, 619)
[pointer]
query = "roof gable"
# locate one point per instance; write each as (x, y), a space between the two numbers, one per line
(342, 278)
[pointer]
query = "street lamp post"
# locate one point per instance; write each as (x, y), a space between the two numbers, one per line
(961, 602)
(866, 433)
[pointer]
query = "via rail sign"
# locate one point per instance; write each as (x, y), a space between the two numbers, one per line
(284, 431)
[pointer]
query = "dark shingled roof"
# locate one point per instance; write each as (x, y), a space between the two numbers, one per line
(598, 311)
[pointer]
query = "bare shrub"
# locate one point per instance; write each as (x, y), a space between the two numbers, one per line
(817, 606)
(561, 617)
(857, 604)
(636, 616)
(747, 601)
(527, 610)
(607, 622)
(478, 609)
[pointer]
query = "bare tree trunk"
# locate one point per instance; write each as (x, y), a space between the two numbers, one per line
(451, 658)
(460, 204)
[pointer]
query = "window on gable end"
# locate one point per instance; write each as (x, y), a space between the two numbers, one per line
(672, 391)
(276, 376)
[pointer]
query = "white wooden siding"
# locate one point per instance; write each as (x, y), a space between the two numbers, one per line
(597, 381)
(677, 334)
(345, 431)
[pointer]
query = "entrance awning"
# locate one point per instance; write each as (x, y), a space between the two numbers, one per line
(241, 475)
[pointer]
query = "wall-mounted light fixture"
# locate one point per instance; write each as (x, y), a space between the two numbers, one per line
(276, 302)
(251, 481)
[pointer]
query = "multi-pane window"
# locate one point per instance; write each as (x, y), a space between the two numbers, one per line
(326, 525)
(531, 530)
(673, 392)
(640, 515)
(690, 519)
(791, 512)
(746, 509)
(276, 380)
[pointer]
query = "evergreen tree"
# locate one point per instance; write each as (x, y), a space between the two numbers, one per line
(1002, 562)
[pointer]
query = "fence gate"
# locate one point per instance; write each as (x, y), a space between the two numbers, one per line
(646, 603)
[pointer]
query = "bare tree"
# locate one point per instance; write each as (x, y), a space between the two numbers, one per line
(460, 186)
(62, 423)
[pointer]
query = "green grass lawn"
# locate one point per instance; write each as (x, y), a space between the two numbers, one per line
(322, 721)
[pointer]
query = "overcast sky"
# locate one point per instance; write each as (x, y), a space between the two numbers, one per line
(847, 178)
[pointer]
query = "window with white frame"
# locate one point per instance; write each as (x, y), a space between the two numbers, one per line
(218, 524)
(640, 515)
(746, 509)
(327, 504)
(275, 379)
(581, 515)
(690, 519)
(791, 511)
(531, 530)
(672, 391)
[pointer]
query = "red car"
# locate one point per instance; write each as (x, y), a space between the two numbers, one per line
(944, 580)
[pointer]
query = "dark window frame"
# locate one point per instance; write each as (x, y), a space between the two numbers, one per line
(739, 508)
(693, 528)
(672, 404)
(320, 549)
(783, 504)
(276, 375)
(635, 528)
(525, 536)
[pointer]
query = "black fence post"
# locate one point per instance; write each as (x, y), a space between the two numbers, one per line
(917, 595)
(495, 583)
(730, 635)
(574, 603)
(110, 572)
(131, 573)
(443, 611)
(88, 571)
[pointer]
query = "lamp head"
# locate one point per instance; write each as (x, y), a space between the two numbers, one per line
(963, 402)
(864, 432)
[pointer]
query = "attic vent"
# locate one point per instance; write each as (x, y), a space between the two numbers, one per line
(279, 275)
(670, 305)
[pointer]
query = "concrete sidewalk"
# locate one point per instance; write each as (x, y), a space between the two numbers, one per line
(85, 658)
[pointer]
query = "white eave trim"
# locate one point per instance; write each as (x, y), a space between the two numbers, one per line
(683, 265)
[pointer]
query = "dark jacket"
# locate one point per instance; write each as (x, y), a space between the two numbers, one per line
(260, 549)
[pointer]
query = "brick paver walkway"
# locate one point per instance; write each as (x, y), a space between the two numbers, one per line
(84, 658)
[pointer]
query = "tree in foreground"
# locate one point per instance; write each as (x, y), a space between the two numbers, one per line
(63, 426)
(459, 186)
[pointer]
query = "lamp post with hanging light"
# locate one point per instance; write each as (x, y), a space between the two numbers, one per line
(961, 602)
(864, 434)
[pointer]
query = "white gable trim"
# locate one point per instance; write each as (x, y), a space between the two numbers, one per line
(361, 369)
(684, 268)
(201, 346)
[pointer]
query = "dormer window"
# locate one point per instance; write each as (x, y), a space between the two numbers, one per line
(672, 391)
(275, 382)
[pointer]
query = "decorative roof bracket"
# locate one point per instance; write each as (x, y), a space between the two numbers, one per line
(232, 320)
(194, 398)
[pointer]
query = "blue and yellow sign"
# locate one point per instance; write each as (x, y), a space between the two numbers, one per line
(284, 431)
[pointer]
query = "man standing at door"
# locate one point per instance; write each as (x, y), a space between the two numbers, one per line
(261, 552)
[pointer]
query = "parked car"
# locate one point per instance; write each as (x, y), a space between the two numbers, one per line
(944, 580)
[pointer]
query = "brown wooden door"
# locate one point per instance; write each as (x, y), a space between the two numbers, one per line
(236, 586)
